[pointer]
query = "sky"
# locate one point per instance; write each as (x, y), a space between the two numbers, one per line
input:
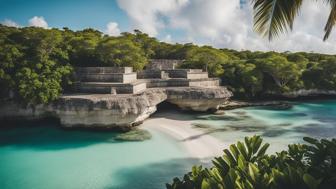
(220, 23)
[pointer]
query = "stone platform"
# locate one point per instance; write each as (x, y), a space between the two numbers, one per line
(177, 78)
(109, 77)
(108, 80)
(180, 82)
(108, 87)
(187, 73)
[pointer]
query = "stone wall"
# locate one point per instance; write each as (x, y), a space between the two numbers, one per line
(94, 70)
(206, 82)
(107, 88)
(107, 77)
(163, 64)
(151, 74)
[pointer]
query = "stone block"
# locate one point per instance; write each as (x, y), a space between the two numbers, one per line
(197, 75)
(108, 88)
(107, 77)
(152, 74)
(103, 70)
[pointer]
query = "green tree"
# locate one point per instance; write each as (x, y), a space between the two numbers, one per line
(283, 72)
(83, 45)
(206, 58)
(245, 79)
(121, 52)
(147, 43)
(35, 65)
(321, 75)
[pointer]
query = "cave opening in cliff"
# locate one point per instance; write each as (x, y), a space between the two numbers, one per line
(167, 106)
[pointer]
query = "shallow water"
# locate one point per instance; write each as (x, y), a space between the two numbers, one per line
(278, 127)
(44, 156)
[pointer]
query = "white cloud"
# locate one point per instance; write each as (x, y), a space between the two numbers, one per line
(112, 29)
(224, 24)
(11, 23)
(148, 15)
(38, 21)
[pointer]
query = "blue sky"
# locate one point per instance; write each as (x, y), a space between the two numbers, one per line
(221, 23)
(75, 14)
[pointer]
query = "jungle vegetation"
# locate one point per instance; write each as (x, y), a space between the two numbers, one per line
(36, 64)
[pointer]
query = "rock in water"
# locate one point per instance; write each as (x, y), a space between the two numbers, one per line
(134, 135)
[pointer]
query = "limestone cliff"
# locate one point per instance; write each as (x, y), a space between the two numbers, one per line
(198, 99)
(107, 110)
(122, 111)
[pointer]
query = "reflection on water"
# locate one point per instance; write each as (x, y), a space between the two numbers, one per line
(278, 127)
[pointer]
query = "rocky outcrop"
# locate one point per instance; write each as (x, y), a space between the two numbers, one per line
(275, 105)
(309, 93)
(105, 111)
(198, 99)
(118, 111)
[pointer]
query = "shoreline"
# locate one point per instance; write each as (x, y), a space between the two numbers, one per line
(236, 104)
(197, 143)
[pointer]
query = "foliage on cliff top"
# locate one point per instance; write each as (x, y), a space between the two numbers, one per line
(246, 165)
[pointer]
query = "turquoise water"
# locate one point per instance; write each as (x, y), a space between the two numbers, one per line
(43, 156)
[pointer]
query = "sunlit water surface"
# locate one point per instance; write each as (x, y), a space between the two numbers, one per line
(44, 156)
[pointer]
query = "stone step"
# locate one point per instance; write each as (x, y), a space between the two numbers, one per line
(187, 73)
(197, 75)
(97, 70)
(111, 88)
(152, 74)
(107, 77)
(180, 82)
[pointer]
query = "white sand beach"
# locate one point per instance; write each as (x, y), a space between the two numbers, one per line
(197, 143)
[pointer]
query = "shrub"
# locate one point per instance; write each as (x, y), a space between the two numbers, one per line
(246, 166)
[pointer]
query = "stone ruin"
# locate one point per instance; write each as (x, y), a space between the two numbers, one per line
(165, 73)
(108, 80)
(122, 80)
(163, 64)
(135, 97)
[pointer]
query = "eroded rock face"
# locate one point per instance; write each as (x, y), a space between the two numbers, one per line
(198, 99)
(118, 111)
(107, 111)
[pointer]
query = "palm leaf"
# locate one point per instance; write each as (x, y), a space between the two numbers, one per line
(331, 19)
(272, 17)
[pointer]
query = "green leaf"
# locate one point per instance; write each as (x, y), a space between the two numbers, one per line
(242, 150)
(310, 181)
(263, 149)
(272, 17)
(205, 184)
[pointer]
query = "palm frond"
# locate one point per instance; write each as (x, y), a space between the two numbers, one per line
(273, 17)
(331, 19)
